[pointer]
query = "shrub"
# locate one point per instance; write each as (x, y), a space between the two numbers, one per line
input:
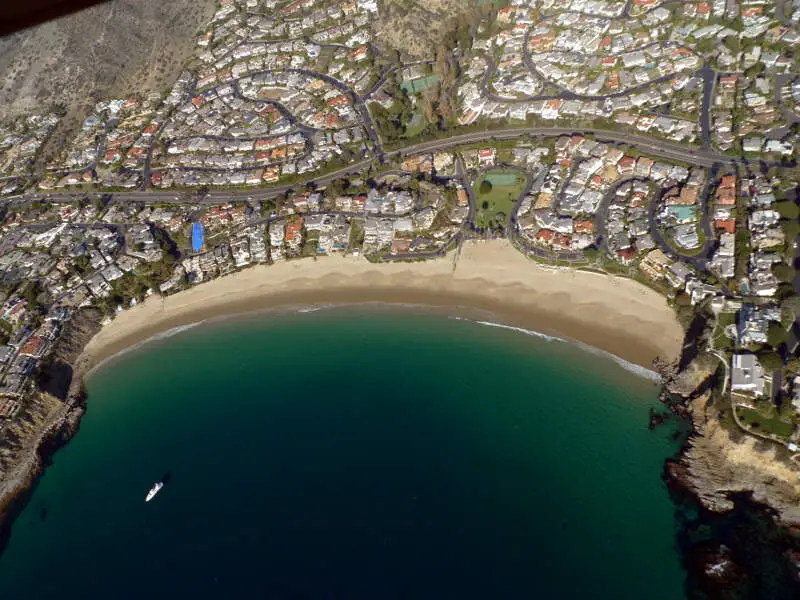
(770, 360)
(788, 209)
(783, 272)
(776, 335)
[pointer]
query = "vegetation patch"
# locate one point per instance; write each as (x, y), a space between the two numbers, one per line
(415, 86)
(495, 200)
(765, 421)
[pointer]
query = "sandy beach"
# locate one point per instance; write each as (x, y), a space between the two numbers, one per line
(614, 314)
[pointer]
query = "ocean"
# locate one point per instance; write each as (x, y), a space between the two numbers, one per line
(355, 453)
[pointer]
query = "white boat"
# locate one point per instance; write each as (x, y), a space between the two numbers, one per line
(154, 490)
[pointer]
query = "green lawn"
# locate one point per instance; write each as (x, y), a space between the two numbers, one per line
(766, 421)
(506, 188)
(416, 126)
(722, 341)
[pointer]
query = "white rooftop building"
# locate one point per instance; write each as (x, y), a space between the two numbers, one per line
(747, 374)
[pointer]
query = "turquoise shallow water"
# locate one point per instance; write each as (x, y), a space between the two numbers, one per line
(355, 453)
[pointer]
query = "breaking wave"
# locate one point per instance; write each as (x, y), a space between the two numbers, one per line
(628, 366)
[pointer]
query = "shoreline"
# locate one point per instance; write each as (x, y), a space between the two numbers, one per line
(574, 307)
(489, 282)
(456, 312)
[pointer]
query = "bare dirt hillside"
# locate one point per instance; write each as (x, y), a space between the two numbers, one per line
(415, 27)
(107, 50)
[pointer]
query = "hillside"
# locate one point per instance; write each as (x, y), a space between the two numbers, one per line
(106, 50)
(414, 28)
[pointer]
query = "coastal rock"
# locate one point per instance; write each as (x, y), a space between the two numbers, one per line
(720, 461)
(718, 564)
(50, 417)
(716, 571)
(692, 379)
(656, 419)
(62, 368)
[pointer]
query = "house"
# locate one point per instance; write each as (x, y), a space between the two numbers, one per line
(551, 108)
(626, 165)
(747, 375)
(643, 166)
(626, 255)
(654, 264)
(486, 157)
(544, 237)
(753, 322)
(34, 346)
(400, 246)
(726, 225)
(677, 274)
(781, 147)
(752, 144)
(294, 236)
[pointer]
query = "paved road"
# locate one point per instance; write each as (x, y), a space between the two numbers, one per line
(709, 81)
(655, 147)
(659, 148)
(698, 261)
(360, 106)
(601, 215)
(565, 92)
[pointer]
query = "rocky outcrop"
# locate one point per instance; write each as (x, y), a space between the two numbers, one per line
(51, 417)
(720, 460)
(57, 374)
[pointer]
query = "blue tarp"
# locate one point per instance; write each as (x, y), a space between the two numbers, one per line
(198, 235)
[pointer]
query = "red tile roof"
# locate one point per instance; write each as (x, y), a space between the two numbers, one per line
(727, 225)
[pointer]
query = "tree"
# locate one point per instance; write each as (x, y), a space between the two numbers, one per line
(168, 246)
(787, 209)
(783, 272)
(756, 69)
(791, 229)
(100, 203)
(267, 207)
(31, 293)
(386, 124)
(791, 306)
(427, 106)
(337, 187)
(485, 187)
(733, 44)
(770, 360)
(777, 336)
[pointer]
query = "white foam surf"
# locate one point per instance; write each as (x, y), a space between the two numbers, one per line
(628, 366)
(531, 332)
